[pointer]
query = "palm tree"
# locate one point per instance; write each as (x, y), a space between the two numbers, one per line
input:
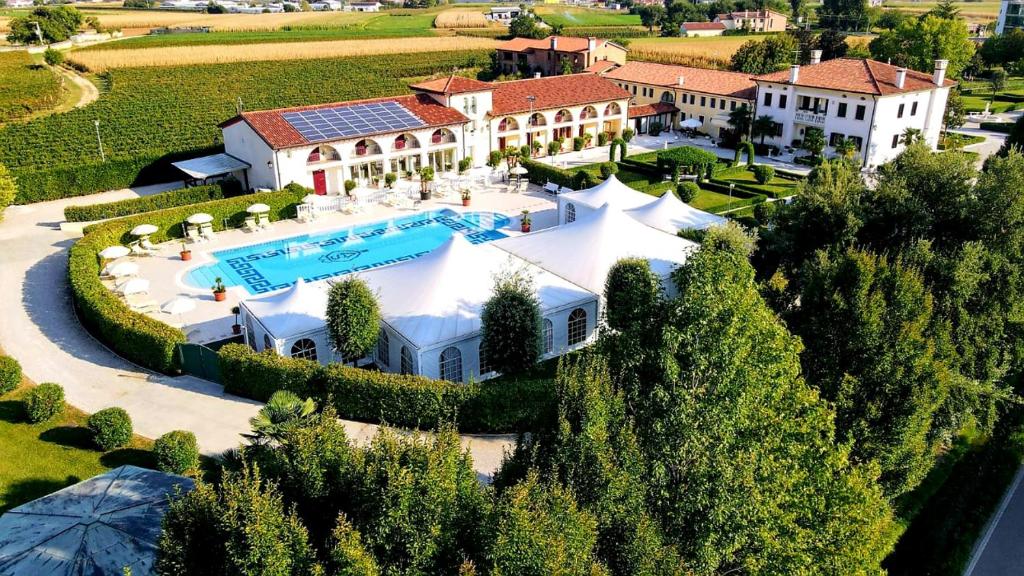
(911, 136)
(282, 412)
(763, 126)
(846, 147)
(740, 119)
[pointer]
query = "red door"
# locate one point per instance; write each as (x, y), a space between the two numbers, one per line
(320, 182)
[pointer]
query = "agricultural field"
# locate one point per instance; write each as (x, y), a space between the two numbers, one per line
(985, 11)
(148, 113)
(27, 87)
(454, 18)
(713, 52)
(555, 15)
(117, 57)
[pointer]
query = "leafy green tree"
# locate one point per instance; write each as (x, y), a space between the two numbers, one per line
(955, 114)
(57, 24)
(353, 318)
(762, 127)
(1014, 140)
(632, 293)
(996, 82)
(946, 9)
(832, 44)
(8, 189)
(814, 141)
(844, 15)
(764, 56)
(525, 26)
(797, 8)
(846, 148)
(917, 43)
(511, 324)
(890, 19)
(740, 122)
(348, 555)
(1003, 49)
(282, 412)
(650, 15)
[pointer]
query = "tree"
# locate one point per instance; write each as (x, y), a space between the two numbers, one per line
(997, 82)
(917, 43)
(511, 324)
(353, 318)
(8, 190)
(911, 136)
(772, 54)
(762, 127)
(632, 293)
(53, 57)
(650, 15)
(1014, 140)
(525, 26)
(740, 121)
(56, 24)
(955, 114)
(946, 9)
(832, 44)
(846, 148)
(797, 8)
(890, 19)
(814, 141)
(844, 15)
(284, 411)
(566, 66)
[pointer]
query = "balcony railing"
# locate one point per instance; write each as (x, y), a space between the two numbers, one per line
(809, 117)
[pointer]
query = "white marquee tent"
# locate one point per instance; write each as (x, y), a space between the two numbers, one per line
(584, 251)
(670, 214)
(280, 320)
(574, 205)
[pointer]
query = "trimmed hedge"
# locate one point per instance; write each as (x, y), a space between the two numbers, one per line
(177, 452)
(540, 173)
(111, 428)
(1001, 127)
(10, 374)
(137, 337)
(78, 180)
(121, 208)
(44, 402)
(399, 400)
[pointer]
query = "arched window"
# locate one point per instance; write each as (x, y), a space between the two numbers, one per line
(612, 109)
(443, 136)
(304, 348)
(588, 112)
(549, 336)
(563, 116)
(577, 326)
(668, 97)
(406, 361)
(406, 142)
(267, 345)
(570, 213)
(508, 124)
(367, 147)
(450, 364)
(250, 334)
(323, 153)
(485, 362)
(383, 349)
(537, 120)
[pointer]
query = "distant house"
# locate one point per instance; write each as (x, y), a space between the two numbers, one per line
(545, 56)
(363, 7)
(754, 21)
(19, 3)
(325, 5)
(693, 29)
(504, 14)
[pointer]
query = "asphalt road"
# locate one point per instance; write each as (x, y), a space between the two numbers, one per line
(1000, 551)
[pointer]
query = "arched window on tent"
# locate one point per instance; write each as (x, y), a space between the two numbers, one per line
(304, 348)
(450, 363)
(250, 334)
(549, 336)
(570, 213)
(267, 344)
(577, 326)
(406, 366)
(485, 362)
(383, 349)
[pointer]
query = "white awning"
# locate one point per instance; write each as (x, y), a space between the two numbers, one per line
(612, 192)
(670, 214)
(207, 166)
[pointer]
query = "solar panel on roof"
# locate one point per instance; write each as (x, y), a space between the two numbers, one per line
(354, 120)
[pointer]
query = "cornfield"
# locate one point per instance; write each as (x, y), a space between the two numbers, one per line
(101, 60)
(460, 18)
(138, 20)
(673, 50)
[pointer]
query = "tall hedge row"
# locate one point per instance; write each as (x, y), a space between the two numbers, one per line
(371, 396)
(137, 337)
(121, 208)
(55, 182)
(540, 173)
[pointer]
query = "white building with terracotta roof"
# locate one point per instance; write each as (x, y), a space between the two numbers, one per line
(698, 29)
(545, 56)
(754, 21)
(869, 102)
(669, 94)
(442, 122)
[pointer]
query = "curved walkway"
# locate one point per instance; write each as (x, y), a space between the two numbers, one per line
(39, 328)
(89, 92)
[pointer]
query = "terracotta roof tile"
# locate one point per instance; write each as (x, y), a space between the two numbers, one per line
(651, 109)
(703, 25)
(553, 92)
(278, 133)
(732, 84)
(564, 44)
(451, 85)
(600, 66)
(855, 75)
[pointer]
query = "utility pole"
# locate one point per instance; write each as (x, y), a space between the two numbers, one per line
(103, 157)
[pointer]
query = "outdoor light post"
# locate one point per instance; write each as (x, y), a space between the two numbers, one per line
(103, 157)
(731, 186)
(39, 33)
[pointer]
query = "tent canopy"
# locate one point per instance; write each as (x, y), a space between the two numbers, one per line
(670, 214)
(584, 251)
(209, 166)
(99, 526)
(295, 310)
(612, 192)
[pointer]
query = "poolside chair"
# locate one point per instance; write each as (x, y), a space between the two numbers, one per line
(206, 231)
(147, 245)
(250, 224)
(193, 235)
(551, 188)
(138, 250)
(142, 303)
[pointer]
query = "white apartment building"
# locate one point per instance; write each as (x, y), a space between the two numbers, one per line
(1011, 15)
(870, 102)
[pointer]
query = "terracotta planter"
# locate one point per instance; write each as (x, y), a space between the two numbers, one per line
(220, 296)
(524, 228)
(186, 255)
(465, 201)
(236, 329)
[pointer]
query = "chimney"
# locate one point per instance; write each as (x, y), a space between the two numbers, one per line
(815, 57)
(554, 42)
(591, 43)
(794, 73)
(681, 80)
(901, 77)
(940, 72)
(536, 74)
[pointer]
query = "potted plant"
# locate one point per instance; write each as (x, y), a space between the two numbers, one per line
(524, 221)
(467, 195)
(220, 291)
(236, 328)
(426, 176)
(186, 253)
(389, 179)
(536, 147)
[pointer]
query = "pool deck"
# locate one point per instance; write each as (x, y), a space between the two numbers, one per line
(211, 321)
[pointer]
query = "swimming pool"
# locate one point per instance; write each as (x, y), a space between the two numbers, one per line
(269, 266)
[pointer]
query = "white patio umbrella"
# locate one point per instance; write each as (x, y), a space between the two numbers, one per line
(112, 252)
(258, 209)
(179, 305)
(122, 269)
(144, 230)
(691, 123)
(200, 218)
(519, 171)
(135, 286)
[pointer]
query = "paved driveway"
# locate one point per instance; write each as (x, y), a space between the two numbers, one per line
(39, 328)
(1000, 551)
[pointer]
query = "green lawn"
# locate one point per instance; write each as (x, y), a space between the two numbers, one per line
(565, 16)
(777, 187)
(975, 103)
(41, 458)
(711, 201)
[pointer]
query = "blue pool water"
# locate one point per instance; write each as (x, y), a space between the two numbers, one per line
(274, 265)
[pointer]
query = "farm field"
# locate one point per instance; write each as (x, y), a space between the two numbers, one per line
(461, 18)
(571, 17)
(27, 87)
(147, 113)
(100, 60)
(709, 52)
(984, 11)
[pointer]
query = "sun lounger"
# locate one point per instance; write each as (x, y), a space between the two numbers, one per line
(147, 245)
(206, 232)
(193, 235)
(139, 250)
(141, 303)
(551, 188)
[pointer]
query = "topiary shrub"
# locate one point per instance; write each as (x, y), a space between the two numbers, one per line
(763, 173)
(602, 139)
(577, 144)
(10, 374)
(608, 168)
(632, 293)
(687, 191)
(627, 134)
(764, 212)
(53, 57)
(111, 428)
(177, 452)
(44, 402)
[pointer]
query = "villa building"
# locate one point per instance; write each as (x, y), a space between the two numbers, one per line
(868, 102)
(754, 21)
(546, 56)
(670, 94)
(697, 29)
(444, 121)
(1011, 16)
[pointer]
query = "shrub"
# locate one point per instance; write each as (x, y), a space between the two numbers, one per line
(177, 452)
(350, 185)
(764, 212)
(602, 139)
(631, 293)
(494, 158)
(10, 374)
(44, 402)
(540, 173)
(353, 318)
(170, 199)
(628, 134)
(608, 168)
(510, 324)
(655, 128)
(763, 173)
(53, 57)
(687, 191)
(465, 164)
(390, 178)
(690, 158)
(111, 428)
(577, 144)
(621, 145)
(8, 190)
